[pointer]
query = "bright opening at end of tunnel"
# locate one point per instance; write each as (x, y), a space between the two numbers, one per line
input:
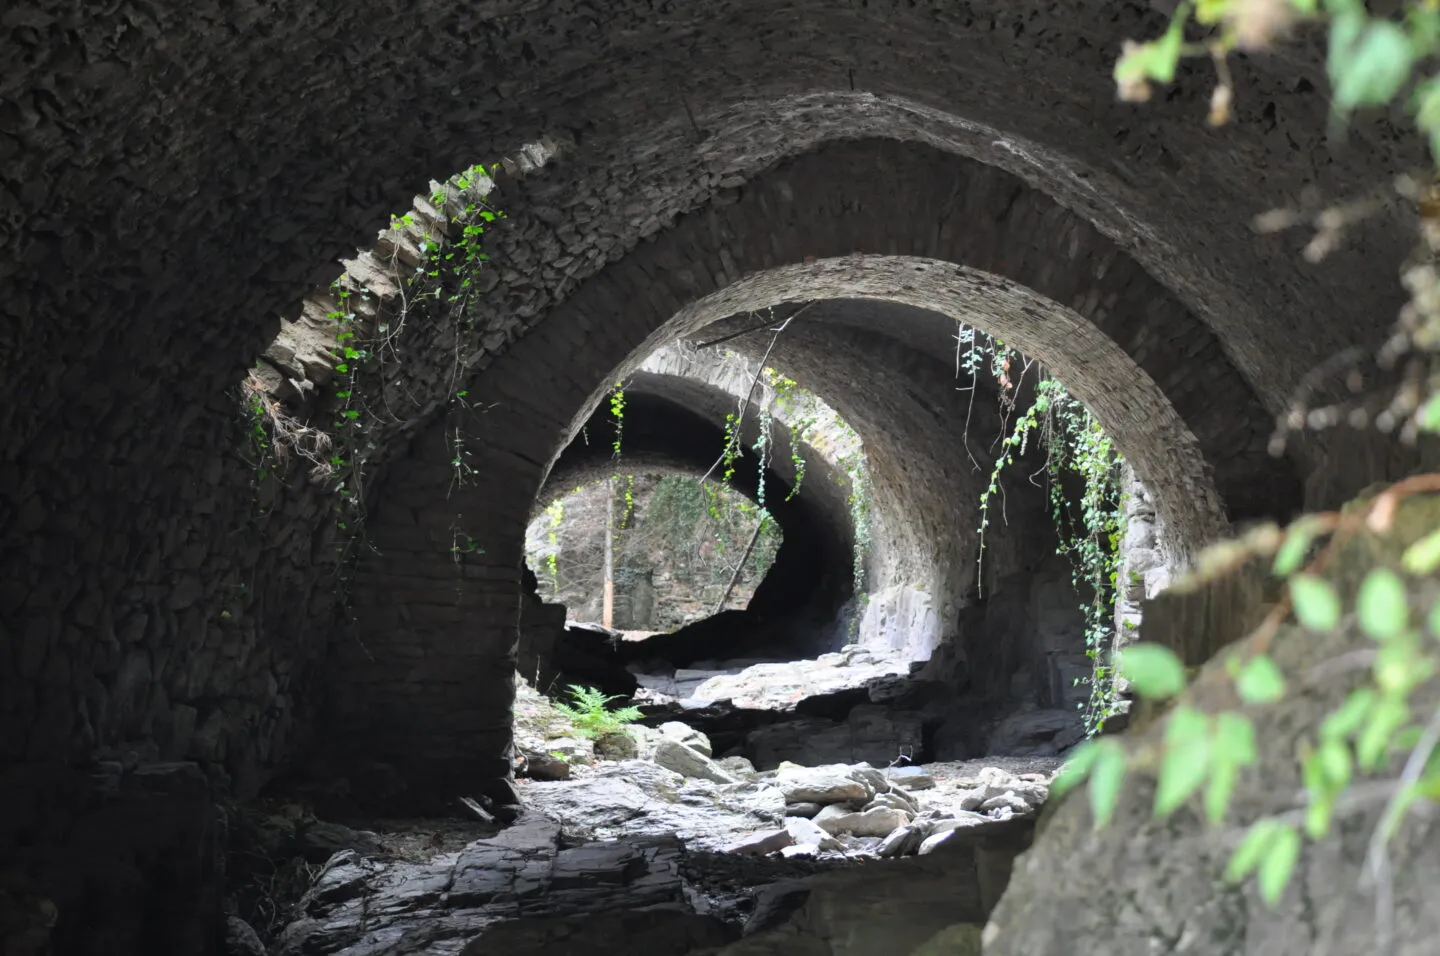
(646, 554)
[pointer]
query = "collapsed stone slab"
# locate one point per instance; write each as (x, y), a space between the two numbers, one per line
(366, 907)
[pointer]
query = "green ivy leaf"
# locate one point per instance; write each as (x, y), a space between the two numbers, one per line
(1428, 416)
(1075, 769)
(1260, 682)
(1334, 759)
(1350, 716)
(1423, 557)
(1186, 762)
(1280, 858)
(1234, 747)
(1399, 667)
(1316, 604)
(1106, 776)
(1406, 739)
(1221, 786)
(1389, 715)
(1252, 848)
(1381, 606)
(1235, 737)
(1153, 670)
(1373, 69)
(1428, 786)
(1155, 60)
(1318, 814)
(1298, 539)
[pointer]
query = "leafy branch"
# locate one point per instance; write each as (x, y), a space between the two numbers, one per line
(1203, 754)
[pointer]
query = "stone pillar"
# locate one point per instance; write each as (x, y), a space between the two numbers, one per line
(1144, 569)
(422, 677)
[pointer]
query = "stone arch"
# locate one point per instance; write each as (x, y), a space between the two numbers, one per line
(959, 217)
(159, 210)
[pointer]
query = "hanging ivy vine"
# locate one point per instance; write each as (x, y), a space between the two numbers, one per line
(1089, 527)
(362, 350)
(617, 412)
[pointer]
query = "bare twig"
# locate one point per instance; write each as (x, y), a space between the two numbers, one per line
(749, 549)
(476, 809)
(288, 435)
(754, 383)
(769, 320)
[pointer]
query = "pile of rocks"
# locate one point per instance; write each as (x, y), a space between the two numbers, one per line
(673, 786)
(860, 811)
(672, 851)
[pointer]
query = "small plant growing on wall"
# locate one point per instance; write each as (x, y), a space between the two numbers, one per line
(592, 718)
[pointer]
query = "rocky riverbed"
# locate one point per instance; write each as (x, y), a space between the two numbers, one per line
(669, 851)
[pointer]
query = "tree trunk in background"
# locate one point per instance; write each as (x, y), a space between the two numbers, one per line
(749, 550)
(607, 617)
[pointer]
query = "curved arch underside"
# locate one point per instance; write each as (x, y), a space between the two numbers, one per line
(881, 219)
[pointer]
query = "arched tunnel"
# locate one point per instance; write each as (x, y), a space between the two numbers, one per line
(192, 611)
(675, 425)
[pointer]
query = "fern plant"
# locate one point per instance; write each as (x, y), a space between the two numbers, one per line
(591, 717)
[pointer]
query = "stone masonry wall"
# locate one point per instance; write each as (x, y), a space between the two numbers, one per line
(176, 176)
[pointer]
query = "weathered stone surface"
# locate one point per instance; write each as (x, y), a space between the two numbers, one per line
(638, 798)
(321, 840)
(896, 799)
(883, 908)
(241, 938)
(808, 833)
(360, 906)
(822, 785)
(736, 766)
(877, 822)
(903, 841)
(759, 844)
(620, 745)
(912, 781)
(687, 735)
(685, 760)
(1037, 732)
(652, 932)
(115, 859)
(962, 939)
(869, 733)
(778, 686)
